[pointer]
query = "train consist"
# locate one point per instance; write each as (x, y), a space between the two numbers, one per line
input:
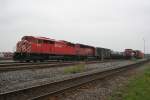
(32, 48)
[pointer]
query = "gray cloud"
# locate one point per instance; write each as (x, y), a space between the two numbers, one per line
(115, 24)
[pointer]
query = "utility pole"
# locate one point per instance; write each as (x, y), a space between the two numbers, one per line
(144, 46)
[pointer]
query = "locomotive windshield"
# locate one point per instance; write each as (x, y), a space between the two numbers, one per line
(29, 39)
(26, 38)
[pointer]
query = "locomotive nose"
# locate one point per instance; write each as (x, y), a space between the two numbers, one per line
(23, 46)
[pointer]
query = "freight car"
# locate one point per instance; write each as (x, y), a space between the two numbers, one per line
(117, 55)
(102, 53)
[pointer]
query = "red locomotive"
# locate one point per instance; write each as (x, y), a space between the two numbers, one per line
(41, 48)
(128, 53)
(32, 48)
(138, 54)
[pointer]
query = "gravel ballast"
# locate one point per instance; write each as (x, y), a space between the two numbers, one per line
(23, 78)
(101, 89)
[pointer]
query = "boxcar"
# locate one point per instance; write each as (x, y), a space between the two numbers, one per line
(102, 53)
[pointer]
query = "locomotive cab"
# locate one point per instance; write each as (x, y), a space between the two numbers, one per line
(29, 39)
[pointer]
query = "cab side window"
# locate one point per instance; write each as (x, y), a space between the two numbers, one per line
(40, 41)
(45, 41)
(51, 42)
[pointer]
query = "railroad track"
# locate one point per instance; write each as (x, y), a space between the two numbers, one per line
(3, 64)
(33, 66)
(47, 88)
(16, 63)
(21, 66)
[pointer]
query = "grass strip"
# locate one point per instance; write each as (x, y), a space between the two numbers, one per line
(137, 89)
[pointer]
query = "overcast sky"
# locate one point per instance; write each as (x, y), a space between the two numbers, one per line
(114, 24)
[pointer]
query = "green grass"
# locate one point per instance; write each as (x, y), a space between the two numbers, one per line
(75, 69)
(137, 89)
(134, 59)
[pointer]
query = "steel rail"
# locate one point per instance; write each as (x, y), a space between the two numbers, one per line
(13, 68)
(47, 88)
(45, 65)
(6, 64)
(25, 63)
(12, 61)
